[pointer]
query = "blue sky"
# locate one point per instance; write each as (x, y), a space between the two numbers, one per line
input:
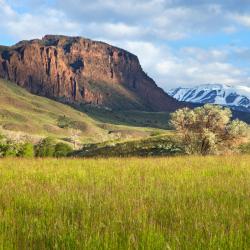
(179, 42)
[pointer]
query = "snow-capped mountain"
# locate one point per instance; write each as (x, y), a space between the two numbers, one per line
(235, 97)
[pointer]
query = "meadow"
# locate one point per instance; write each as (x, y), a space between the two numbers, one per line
(129, 203)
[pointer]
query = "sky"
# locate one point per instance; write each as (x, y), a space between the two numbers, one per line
(179, 42)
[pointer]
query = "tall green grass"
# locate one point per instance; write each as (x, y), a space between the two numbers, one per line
(154, 203)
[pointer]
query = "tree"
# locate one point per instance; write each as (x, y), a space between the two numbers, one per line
(208, 129)
(45, 148)
(62, 150)
(26, 150)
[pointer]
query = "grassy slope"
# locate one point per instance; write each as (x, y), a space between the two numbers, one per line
(160, 203)
(22, 111)
(129, 118)
(116, 96)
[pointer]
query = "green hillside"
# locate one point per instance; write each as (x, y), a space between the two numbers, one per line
(25, 114)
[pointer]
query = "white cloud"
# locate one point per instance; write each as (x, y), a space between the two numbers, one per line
(28, 26)
(144, 27)
(241, 19)
(187, 66)
(146, 51)
(193, 70)
(117, 30)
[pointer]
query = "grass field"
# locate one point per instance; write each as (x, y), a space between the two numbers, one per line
(132, 203)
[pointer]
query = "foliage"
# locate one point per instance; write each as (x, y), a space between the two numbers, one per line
(129, 203)
(207, 129)
(62, 150)
(11, 149)
(8, 148)
(26, 150)
(45, 148)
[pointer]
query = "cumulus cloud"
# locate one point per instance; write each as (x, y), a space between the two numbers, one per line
(189, 66)
(169, 36)
(241, 19)
(27, 26)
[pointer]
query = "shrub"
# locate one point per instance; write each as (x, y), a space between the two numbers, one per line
(62, 150)
(26, 150)
(8, 147)
(11, 149)
(45, 148)
(208, 129)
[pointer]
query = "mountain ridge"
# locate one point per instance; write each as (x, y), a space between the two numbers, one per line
(234, 97)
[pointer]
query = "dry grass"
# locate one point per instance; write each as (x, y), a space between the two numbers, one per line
(154, 203)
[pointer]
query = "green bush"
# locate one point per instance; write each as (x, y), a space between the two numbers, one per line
(7, 147)
(62, 150)
(10, 149)
(27, 150)
(45, 148)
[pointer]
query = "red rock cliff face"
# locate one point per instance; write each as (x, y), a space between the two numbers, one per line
(78, 70)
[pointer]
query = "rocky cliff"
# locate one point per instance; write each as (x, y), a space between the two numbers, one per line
(78, 70)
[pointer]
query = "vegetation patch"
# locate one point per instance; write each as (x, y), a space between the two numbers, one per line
(155, 146)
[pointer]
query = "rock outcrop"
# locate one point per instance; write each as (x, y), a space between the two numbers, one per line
(78, 70)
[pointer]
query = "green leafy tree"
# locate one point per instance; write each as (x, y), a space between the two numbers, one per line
(26, 150)
(45, 148)
(62, 150)
(208, 129)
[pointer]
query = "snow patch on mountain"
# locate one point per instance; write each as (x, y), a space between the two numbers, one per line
(236, 97)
